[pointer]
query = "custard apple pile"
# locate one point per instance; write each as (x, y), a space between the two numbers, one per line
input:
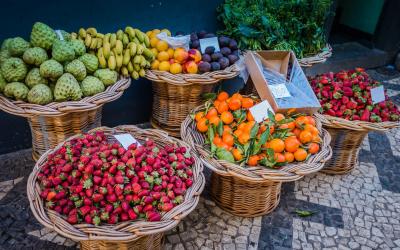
(53, 65)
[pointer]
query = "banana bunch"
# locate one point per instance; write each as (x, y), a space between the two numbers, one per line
(126, 51)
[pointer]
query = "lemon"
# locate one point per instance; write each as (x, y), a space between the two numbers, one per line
(170, 52)
(154, 41)
(162, 45)
(164, 66)
(163, 56)
(155, 64)
(175, 68)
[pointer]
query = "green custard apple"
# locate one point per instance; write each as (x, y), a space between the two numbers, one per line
(14, 69)
(91, 62)
(35, 56)
(67, 88)
(2, 83)
(51, 69)
(79, 47)
(16, 90)
(77, 69)
(40, 94)
(33, 78)
(63, 51)
(4, 54)
(107, 76)
(92, 85)
(43, 36)
(5, 44)
(17, 46)
(66, 36)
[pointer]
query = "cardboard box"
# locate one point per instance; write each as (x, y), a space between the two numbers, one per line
(281, 67)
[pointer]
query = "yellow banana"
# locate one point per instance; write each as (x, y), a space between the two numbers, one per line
(142, 73)
(133, 49)
(93, 43)
(135, 75)
(139, 50)
(88, 41)
(130, 32)
(106, 50)
(106, 38)
(139, 35)
(124, 71)
(147, 41)
(102, 59)
(120, 34)
(92, 31)
(136, 67)
(125, 39)
(119, 46)
(142, 61)
(119, 59)
(127, 57)
(99, 43)
(135, 40)
(100, 35)
(113, 40)
(137, 59)
(74, 35)
(130, 67)
(82, 32)
(148, 54)
(111, 62)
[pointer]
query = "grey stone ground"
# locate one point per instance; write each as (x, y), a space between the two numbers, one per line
(360, 210)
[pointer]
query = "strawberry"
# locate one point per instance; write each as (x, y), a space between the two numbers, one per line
(111, 198)
(167, 207)
(113, 219)
(153, 216)
(97, 197)
(72, 219)
(132, 215)
(84, 210)
(96, 220)
(104, 216)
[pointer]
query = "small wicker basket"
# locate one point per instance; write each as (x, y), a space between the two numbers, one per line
(53, 123)
(347, 137)
(174, 96)
(137, 234)
(250, 191)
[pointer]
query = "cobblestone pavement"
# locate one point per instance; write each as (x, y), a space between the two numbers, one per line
(360, 210)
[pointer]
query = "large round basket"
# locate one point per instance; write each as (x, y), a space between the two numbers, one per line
(138, 234)
(250, 191)
(174, 96)
(53, 123)
(347, 137)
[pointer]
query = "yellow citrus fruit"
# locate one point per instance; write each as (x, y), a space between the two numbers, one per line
(162, 45)
(175, 68)
(163, 56)
(170, 52)
(166, 31)
(155, 51)
(155, 64)
(164, 66)
(148, 33)
(156, 31)
(154, 41)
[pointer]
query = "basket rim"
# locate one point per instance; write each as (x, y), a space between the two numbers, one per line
(287, 173)
(123, 231)
(189, 79)
(25, 109)
(320, 57)
(341, 123)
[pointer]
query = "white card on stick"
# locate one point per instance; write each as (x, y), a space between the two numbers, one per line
(209, 42)
(377, 94)
(260, 111)
(126, 140)
(279, 90)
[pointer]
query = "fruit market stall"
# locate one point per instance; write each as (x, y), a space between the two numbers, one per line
(180, 76)
(116, 188)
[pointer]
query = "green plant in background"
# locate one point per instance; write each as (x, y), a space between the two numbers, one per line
(296, 25)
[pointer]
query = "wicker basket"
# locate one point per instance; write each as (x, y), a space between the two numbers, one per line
(347, 137)
(250, 191)
(318, 58)
(174, 96)
(137, 234)
(53, 123)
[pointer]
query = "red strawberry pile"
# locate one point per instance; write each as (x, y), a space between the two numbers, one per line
(91, 180)
(347, 94)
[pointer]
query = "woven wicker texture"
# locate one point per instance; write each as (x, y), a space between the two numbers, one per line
(232, 185)
(123, 232)
(174, 96)
(53, 123)
(347, 137)
(153, 242)
(318, 58)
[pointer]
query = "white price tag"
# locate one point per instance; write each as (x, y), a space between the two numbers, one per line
(279, 90)
(260, 111)
(126, 140)
(377, 94)
(209, 42)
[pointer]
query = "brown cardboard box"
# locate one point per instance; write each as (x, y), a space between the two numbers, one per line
(281, 61)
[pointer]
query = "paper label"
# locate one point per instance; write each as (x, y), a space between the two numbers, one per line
(377, 94)
(126, 140)
(59, 34)
(260, 111)
(209, 42)
(279, 90)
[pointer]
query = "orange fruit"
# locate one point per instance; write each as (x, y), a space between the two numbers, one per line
(253, 160)
(296, 132)
(217, 140)
(316, 138)
(271, 129)
(227, 129)
(249, 116)
(201, 125)
(180, 55)
(284, 126)
(237, 96)
(211, 112)
(153, 41)
(311, 120)
(216, 103)
(247, 102)
(227, 117)
(244, 138)
(238, 132)
(313, 130)
(163, 56)
(237, 154)
(291, 125)
(300, 154)
(214, 120)
(228, 139)
(199, 115)
(277, 145)
(279, 117)
(279, 157)
(300, 121)
(175, 68)
(289, 157)
(313, 148)
(222, 106)
(291, 144)
(164, 66)
(241, 126)
(162, 46)
(235, 104)
(155, 64)
(222, 96)
(305, 136)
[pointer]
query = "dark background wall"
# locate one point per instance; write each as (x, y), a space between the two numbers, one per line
(107, 16)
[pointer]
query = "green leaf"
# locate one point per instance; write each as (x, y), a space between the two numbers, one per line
(220, 128)
(209, 96)
(211, 134)
(304, 213)
(254, 131)
(270, 153)
(224, 154)
(271, 116)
